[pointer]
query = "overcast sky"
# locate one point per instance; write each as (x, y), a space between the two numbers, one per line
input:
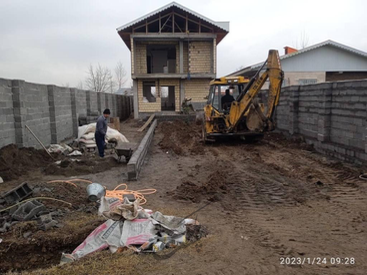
(53, 42)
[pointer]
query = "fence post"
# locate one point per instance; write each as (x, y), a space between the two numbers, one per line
(324, 114)
(19, 111)
(74, 115)
(293, 110)
(51, 106)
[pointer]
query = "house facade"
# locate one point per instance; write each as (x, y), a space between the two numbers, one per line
(326, 61)
(173, 57)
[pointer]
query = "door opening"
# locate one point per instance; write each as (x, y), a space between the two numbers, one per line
(168, 98)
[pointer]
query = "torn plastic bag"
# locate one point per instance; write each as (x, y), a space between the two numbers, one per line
(106, 235)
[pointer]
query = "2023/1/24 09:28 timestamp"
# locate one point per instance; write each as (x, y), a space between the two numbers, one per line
(317, 260)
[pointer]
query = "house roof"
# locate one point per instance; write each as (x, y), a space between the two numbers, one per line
(221, 29)
(307, 49)
(222, 25)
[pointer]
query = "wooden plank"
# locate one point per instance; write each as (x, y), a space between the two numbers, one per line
(146, 123)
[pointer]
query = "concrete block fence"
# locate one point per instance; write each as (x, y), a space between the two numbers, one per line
(52, 112)
(331, 116)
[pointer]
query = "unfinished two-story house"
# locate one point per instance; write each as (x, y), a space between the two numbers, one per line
(173, 57)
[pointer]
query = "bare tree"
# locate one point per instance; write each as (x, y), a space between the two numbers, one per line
(120, 74)
(80, 85)
(100, 79)
(303, 40)
(112, 86)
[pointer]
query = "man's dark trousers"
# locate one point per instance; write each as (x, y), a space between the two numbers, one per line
(100, 143)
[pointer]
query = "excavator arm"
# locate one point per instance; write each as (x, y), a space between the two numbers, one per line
(246, 99)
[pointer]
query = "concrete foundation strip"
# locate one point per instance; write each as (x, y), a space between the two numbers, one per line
(137, 159)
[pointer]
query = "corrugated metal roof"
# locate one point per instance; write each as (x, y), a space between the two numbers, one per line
(326, 43)
(310, 48)
(222, 25)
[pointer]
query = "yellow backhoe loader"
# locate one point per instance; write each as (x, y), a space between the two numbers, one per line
(234, 107)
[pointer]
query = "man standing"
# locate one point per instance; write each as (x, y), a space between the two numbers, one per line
(101, 129)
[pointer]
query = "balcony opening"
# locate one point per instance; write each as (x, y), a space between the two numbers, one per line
(161, 59)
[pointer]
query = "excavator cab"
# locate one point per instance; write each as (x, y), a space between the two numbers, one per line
(218, 89)
(233, 107)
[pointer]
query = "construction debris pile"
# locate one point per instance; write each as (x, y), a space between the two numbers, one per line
(43, 204)
(130, 226)
(41, 220)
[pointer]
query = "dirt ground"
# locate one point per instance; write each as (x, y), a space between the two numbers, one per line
(266, 201)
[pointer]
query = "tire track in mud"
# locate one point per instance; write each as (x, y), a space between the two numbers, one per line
(262, 190)
(255, 195)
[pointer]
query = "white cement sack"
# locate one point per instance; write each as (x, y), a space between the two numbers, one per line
(111, 133)
(137, 231)
(106, 235)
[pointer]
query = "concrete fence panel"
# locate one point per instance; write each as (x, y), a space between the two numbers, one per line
(331, 116)
(51, 112)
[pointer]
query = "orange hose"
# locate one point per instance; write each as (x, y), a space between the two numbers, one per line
(138, 194)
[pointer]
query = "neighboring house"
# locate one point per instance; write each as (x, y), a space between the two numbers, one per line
(326, 61)
(173, 56)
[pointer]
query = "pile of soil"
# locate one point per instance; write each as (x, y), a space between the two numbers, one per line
(90, 165)
(216, 183)
(181, 137)
(15, 161)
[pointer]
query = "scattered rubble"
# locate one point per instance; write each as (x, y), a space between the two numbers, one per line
(28, 230)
